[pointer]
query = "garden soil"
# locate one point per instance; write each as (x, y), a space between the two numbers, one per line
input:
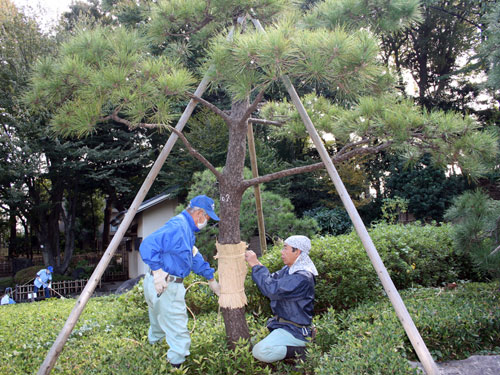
(475, 365)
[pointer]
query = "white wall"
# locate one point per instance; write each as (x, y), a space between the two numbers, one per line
(148, 221)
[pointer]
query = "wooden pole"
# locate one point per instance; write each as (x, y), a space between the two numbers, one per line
(396, 300)
(258, 200)
(398, 304)
(94, 280)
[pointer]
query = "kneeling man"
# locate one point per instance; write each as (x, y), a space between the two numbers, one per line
(291, 291)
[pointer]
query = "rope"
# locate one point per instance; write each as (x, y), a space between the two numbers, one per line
(194, 316)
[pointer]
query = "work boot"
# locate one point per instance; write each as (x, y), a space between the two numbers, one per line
(296, 352)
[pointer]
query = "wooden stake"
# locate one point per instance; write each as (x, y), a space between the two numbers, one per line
(398, 304)
(258, 201)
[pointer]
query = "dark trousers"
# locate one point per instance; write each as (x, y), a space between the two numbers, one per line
(46, 290)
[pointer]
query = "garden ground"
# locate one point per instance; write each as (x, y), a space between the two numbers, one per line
(475, 365)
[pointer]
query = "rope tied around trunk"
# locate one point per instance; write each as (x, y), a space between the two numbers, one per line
(232, 273)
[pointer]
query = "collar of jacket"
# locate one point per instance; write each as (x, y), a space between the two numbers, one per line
(190, 221)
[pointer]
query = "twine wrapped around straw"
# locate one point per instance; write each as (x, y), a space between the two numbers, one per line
(232, 272)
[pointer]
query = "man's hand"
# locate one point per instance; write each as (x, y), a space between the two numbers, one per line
(251, 258)
(160, 280)
(215, 286)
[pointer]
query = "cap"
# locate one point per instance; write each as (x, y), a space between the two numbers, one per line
(50, 268)
(202, 201)
(299, 242)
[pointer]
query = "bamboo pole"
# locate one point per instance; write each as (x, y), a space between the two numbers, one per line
(258, 200)
(87, 292)
(396, 300)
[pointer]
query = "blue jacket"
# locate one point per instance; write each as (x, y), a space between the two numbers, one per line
(6, 300)
(292, 298)
(171, 248)
(43, 278)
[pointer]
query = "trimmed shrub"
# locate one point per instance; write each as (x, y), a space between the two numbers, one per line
(420, 255)
(369, 339)
(414, 255)
(25, 275)
(111, 336)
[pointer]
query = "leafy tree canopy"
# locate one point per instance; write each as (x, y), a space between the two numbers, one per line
(388, 121)
(490, 48)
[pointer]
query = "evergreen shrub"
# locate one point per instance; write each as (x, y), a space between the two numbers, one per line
(414, 255)
(369, 339)
(110, 337)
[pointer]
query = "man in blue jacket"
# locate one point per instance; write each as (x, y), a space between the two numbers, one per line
(171, 255)
(43, 280)
(291, 291)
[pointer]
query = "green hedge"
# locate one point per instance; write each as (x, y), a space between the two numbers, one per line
(369, 339)
(111, 336)
(414, 255)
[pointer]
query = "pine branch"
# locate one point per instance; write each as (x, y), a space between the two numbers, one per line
(495, 251)
(459, 16)
(114, 116)
(196, 154)
(212, 107)
(314, 167)
(254, 105)
(205, 21)
(350, 145)
(265, 122)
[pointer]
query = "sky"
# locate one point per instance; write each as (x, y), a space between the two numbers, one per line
(47, 12)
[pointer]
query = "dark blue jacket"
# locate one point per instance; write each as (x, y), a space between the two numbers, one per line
(292, 298)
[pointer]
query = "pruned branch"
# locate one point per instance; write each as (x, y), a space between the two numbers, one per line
(114, 116)
(265, 122)
(196, 154)
(314, 167)
(254, 105)
(350, 145)
(212, 107)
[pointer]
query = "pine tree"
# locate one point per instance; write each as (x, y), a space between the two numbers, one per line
(121, 75)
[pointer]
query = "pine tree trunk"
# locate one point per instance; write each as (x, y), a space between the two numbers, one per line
(13, 233)
(69, 229)
(231, 194)
(107, 220)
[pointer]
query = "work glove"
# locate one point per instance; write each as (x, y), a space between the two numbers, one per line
(50, 286)
(215, 286)
(160, 280)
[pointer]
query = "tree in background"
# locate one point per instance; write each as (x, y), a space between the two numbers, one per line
(22, 43)
(48, 180)
(436, 50)
(490, 48)
(110, 74)
(476, 231)
(428, 191)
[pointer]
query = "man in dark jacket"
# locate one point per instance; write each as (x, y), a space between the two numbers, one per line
(291, 291)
